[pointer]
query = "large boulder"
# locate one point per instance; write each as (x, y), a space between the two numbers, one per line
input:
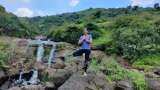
(61, 76)
(124, 85)
(157, 71)
(59, 64)
(5, 85)
(15, 88)
(90, 82)
(153, 84)
(49, 86)
(28, 87)
(2, 74)
(56, 76)
(2, 77)
(33, 87)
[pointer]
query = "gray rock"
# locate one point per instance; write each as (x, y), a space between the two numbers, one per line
(89, 82)
(2, 74)
(57, 76)
(124, 85)
(61, 76)
(153, 84)
(2, 77)
(33, 87)
(157, 71)
(15, 88)
(59, 64)
(5, 85)
(49, 86)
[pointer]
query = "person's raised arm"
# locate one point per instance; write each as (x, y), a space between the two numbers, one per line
(80, 40)
(89, 40)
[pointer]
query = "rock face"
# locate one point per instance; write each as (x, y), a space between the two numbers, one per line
(29, 87)
(2, 77)
(90, 82)
(157, 71)
(59, 64)
(49, 86)
(57, 77)
(153, 84)
(33, 87)
(2, 74)
(124, 85)
(15, 88)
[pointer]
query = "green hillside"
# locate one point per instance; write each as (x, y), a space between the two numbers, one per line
(126, 41)
(131, 32)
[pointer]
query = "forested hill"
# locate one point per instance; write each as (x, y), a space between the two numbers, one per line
(11, 25)
(30, 27)
(96, 15)
(132, 32)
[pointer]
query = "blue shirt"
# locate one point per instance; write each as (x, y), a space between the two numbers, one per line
(85, 44)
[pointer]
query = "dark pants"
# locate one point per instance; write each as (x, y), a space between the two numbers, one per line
(87, 54)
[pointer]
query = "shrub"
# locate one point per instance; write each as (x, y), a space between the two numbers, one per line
(114, 72)
(147, 62)
(3, 59)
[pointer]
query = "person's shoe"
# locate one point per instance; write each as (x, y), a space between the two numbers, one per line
(85, 74)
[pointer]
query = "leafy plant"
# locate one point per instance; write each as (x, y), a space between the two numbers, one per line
(147, 62)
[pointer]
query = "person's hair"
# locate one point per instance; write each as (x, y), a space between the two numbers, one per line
(85, 30)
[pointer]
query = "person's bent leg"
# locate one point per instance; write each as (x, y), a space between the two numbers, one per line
(78, 53)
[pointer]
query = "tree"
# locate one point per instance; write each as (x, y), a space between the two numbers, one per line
(98, 14)
(2, 9)
(135, 8)
(156, 6)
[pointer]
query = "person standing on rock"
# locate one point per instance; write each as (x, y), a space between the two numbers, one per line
(85, 42)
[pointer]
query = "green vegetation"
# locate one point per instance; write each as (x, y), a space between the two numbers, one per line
(115, 72)
(4, 55)
(148, 62)
(138, 80)
(11, 25)
(131, 32)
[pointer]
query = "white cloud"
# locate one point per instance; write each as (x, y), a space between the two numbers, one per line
(143, 3)
(25, 1)
(40, 13)
(24, 12)
(74, 3)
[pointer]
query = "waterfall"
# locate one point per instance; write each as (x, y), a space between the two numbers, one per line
(20, 80)
(34, 79)
(52, 56)
(40, 52)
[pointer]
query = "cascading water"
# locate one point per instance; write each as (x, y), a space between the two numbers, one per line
(34, 79)
(20, 79)
(52, 56)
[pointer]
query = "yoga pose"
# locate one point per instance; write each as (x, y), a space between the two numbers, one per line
(85, 43)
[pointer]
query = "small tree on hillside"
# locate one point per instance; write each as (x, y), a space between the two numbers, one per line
(156, 6)
(2, 9)
(135, 8)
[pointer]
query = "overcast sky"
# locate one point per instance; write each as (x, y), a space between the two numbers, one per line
(30, 8)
